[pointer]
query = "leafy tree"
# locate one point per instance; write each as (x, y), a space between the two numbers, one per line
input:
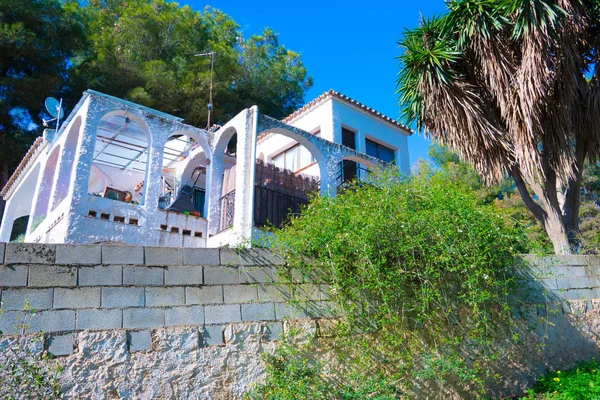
(37, 39)
(512, 87)
(145, 51)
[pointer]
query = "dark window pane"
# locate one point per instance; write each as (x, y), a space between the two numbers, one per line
(372, 149)
(199, 199)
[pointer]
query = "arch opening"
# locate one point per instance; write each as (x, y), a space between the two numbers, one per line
(184, 175)
(288, 171)
(120, 162)
(67, 161)
(45, 189)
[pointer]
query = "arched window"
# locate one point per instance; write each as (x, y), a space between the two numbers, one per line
(120, 162)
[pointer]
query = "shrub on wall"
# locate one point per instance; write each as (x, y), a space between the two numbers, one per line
(419, 271)
(26, 370)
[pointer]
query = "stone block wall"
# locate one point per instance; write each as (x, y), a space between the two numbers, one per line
(146, 322)
(75, 288)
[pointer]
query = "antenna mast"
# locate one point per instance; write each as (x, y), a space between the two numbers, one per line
(210, 100)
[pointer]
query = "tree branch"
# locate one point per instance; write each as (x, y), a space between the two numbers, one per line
(537, 211)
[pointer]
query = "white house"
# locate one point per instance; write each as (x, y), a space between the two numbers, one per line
(119, 172)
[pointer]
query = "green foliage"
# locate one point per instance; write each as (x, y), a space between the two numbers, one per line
(26, 371)
(37, 40)
(292, 374)
(503, 196)
(145, 51)
(579, 383)
(419, 267)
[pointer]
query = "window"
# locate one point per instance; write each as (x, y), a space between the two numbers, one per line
(199, 199)
(377, 150)
(294, 158)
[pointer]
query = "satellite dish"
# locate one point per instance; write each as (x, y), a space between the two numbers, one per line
(54, 107)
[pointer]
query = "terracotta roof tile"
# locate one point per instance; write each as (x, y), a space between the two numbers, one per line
(333, 94)
(22, 165)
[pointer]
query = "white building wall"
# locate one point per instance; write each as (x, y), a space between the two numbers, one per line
(367, 126)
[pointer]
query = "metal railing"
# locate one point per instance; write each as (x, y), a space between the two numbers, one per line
(272, 207)
(227, 210)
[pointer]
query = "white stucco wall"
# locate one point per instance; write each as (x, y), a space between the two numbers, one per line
(367, 126)
(328, 117)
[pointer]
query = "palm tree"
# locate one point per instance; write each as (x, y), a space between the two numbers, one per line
(512, 86)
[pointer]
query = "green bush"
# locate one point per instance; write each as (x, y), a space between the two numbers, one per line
(292, 374)
(579, 383)
(420, 272)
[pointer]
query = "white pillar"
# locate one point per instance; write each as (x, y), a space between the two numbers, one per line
(243, 220)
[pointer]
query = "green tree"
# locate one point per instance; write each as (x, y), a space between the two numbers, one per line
(145, 51)
(37, 40)
(512, 87)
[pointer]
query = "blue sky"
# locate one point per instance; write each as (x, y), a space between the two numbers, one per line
(347, 46)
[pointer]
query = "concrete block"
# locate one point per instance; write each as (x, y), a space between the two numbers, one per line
(101, 275)
(143, 276)
(325, 291)
(563, 283)
(29, 253)
(2, 248)
(190, 315)
(204, 295)
(143, 317)
(240, 293)
(578, 282)
(197, 256)
(257, 275)
(13, 275)
(322, 309)
(222, 314)
(184, 275)
(139, 340)
(246, 257)
(221, 276)
(88, 297)
(549, 283)
(119, 297)
(78, 254)
(53, 321)
(273, 330)
(306, 292)
(275, 293)
(52, 276)
(39, 299)
(9, 322)
(99, 319)
(165, 296)
(258, 312)
(61, 345)
(163, 255)
(283, 310)
(578, 271)
(213, 335)
(115, 254)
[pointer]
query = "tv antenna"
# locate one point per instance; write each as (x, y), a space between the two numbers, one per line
(54, 108)
(212, 64)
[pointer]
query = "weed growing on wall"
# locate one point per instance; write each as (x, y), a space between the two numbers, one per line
(419, 271)
(26, 371)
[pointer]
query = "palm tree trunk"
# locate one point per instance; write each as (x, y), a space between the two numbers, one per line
(550, 215)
